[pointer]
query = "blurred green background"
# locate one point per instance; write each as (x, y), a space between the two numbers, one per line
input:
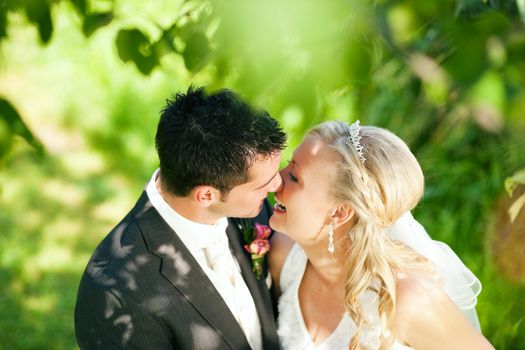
(82, 83)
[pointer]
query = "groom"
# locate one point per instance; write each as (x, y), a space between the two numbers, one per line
(173, 274)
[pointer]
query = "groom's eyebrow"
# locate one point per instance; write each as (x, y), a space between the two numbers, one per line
(268, 180)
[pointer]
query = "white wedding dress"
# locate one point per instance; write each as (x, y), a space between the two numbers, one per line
(292, 331)
(460, 284)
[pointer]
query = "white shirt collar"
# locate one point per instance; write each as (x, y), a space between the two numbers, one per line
(194, 235)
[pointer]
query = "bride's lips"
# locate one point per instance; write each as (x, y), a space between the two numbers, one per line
(278, 207)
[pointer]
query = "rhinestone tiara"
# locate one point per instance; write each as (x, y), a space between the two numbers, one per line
(355, 138)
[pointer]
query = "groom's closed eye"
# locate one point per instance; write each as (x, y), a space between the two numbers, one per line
(291, 175)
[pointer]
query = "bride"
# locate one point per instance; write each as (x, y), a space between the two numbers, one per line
(363, 273)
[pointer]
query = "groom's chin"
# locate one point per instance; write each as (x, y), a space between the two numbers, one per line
(253, 213)
(258, 211)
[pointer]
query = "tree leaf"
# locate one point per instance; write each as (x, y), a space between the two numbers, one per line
(133, 45)
(81, 6)
(5, 138)
(92, 22)
(516, 206)
(12, 123)
(39, 12)
(166, 42)
(512, 182)
(3, 21)
(196, 51)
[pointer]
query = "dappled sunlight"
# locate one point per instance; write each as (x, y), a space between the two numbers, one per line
(52, 258)
(32, 311)
(158, 304)
(180, 264)
(113, 208)
(62, 230)
(32, 220)
(199, 332)
(56, 210)
(82, 164)
(126, 322)
(41, 304)
(62, 192)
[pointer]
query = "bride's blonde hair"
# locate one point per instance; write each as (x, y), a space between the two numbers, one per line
(388, 183)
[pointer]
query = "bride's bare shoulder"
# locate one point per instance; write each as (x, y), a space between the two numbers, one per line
(417, 291)
(426, 318)
(418, 296)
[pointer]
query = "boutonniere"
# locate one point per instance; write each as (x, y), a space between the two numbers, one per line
(257, 244)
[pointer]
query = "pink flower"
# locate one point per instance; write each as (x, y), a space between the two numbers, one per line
(262, 231)
(258, 247)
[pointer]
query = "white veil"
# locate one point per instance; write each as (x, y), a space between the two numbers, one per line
(460, 284)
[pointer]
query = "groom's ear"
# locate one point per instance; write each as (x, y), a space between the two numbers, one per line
(342, 214)
(205, 195)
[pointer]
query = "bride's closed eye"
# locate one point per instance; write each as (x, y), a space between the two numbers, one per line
(290, 173)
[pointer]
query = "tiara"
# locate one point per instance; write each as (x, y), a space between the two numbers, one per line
(355, 138)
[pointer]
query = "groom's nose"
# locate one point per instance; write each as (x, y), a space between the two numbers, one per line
(277, 183)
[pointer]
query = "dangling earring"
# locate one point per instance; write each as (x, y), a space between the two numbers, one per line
(331, 247)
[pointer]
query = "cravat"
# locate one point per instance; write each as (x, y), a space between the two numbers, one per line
(220, 259)
(232, 288)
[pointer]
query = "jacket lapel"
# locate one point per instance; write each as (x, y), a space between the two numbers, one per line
(181, 269)
(258, 288)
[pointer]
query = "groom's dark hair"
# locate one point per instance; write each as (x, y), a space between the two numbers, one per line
(212, 139)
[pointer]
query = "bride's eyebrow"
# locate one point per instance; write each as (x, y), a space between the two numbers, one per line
(296, 166)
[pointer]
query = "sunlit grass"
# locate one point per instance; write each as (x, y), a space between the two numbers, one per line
(96, 118)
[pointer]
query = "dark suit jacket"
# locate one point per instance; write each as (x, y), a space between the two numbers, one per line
(142, 289)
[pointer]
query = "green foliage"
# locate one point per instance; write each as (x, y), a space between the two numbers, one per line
(514, 181)
(196, 51)
(39, 13)
(11, 126)
(78, 118)
(511, 184)
(133, 45)
(94, 21)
